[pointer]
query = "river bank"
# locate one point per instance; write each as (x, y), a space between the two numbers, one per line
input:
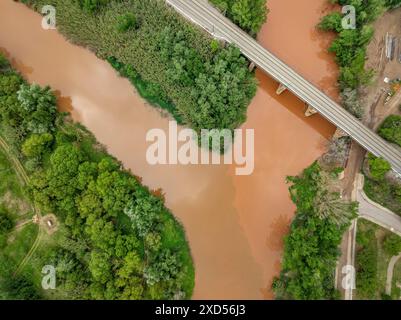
(234, 225)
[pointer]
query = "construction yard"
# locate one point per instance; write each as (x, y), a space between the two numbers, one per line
(383, 97)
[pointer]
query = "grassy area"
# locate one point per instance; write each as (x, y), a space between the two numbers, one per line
(146, 89)
(372, 262)
(9, 181)
(19, 243)
(16, 243)
(12, 193)
(395, 290)
(385, 193)
(42, 257)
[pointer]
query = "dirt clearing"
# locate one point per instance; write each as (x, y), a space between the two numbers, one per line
(375, 95)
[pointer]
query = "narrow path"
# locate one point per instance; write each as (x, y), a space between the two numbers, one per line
(19, 226)
(31, 251)
(347, 257)
(22, 224)
(390, 271)
(25, 179)
(17, 164)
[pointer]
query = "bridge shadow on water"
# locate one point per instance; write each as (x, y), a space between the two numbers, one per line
(295, 106)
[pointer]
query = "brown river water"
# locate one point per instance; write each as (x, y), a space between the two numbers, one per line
(234, 224)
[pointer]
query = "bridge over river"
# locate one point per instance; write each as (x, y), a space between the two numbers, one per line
(203, 14)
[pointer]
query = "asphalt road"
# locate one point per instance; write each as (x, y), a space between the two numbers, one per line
(203, 14)
(375, 213)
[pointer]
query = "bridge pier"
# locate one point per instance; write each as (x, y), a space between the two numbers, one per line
(252, 66)
(339, 134)
(310, 111)
(201, 13)
(281, 88)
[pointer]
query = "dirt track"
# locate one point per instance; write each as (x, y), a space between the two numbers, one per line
(375, 94)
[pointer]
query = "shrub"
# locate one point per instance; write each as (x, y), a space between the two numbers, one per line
(391, 129)
(37, 145)
(250, 15)
(6, 223)
(126, 22)
(378, 167)
(392, 244)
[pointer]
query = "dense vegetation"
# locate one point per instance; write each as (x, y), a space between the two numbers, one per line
(6, 222)
(390, 129)
(384, 192)
(311, 248)
(392, 245)
(200, 81)
(116, 239)
(366, 261)
(393, 3)
(378, 187)
(375, 247)
(250, 15)
(373, 251)
(378, 167)
(350, 47)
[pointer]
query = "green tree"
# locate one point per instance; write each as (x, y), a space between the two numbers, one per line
(164, 267)
(100, 266)
(391, 129)
(20, 288)
(62, 176)
(378, 167)
(37, 145)
(332, 22)
(329, 205)
(250, 14)
(38, 107)
(144, 213)
(366, 261)
(126, 22)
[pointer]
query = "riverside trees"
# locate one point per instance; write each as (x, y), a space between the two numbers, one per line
(250, 15)
(311, 248)
(350, 48)
(378, 187)
(391, 129)
(199, 81)
(101, 253)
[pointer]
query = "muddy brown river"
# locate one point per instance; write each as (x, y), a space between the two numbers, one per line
(234, 224)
